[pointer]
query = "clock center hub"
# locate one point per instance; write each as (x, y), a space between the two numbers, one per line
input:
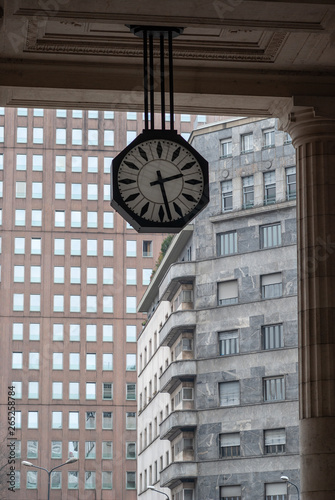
(158, 175)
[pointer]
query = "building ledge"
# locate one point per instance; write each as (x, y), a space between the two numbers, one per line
(178, 472)
(184, 370)
(178, 274)
(177, 421)
(177, 322)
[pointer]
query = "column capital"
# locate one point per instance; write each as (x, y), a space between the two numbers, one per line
(308, 119)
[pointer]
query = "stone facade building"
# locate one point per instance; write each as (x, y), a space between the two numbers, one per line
(218, 361)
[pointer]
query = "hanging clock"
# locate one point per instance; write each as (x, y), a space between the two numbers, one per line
(159, 182)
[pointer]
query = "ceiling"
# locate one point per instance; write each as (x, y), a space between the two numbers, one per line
(240, 57)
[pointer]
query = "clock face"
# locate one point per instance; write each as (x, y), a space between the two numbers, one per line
(160, 182)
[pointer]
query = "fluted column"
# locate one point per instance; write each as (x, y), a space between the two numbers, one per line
(314, 139)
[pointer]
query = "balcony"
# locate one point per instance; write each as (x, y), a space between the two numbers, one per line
(178, 322)
(178, 472)
(179, 274)
(178, 421)
(177, 372)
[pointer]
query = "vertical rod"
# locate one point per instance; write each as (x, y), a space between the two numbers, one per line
(152, 92)
(171, 82)
(145, 64)
(162, 80)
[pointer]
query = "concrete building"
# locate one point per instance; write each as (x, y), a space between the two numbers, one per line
(72, 272)
(220, 343)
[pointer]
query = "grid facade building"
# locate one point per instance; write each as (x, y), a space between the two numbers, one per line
(72, 271)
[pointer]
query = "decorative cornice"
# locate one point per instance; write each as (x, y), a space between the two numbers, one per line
(127, 47)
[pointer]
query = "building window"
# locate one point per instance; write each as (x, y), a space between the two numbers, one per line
(229, 393)
(74, 333)
(89, 480)
(130, 362)
(1, 161)
(60, 135)
(109, 115)
(274, 440)
(272, 286)
(32, 449)
(230, 445)
(77, 137)
(227, 195)
(20, 189)
(92, 164)
(226, 243)
(18, 274)
(92, 191)
(74, 390)
(276, 491)
(59, 218)
(107, 361)
(91, 333)
(228, 342)
(146, 276)
(58, 332)
(147, 248)
(75, 218)
(37, 163)
(92, 219)
(20, 217)
(56, 449)
(130, 480)
(131, 392)
(58, 303)
(22, 135)
(272, 336)
(93, 114)
(74, 360)
(57, 417)
(34, 331)
(130, 420)
(247, 143)
(19, 246)
(92, 248)
(131, 248)
(131, 276)
(75, 247)
(73, 480)
(107, 391)
(108, 220)
(37, 135)
(17, 359)
(58, 274)
(18, 303)
(268, 138)
(91, 363)
(269, 188)
(131, 135)
(93, 137)
(35, 274)
(107, 304)
(56, 480)
(35, 303)
(108, 276)
(33, 389)
(287, 138)
(130, 304)
(61, 113)
(248, 191)
(75, 191)
(32, 419)
(107, 480)
(226, 148)
(107, 420)
(75, 303)
(274, 389)
(2, 134)
(91, 275)
(57, 361)
(76, 164)
(17, 331)
(227, 292)
(91, 303)
(17, 446)
(17, 389)
(73, 420)
(36, 246)
(91, 420)
(107, 333)
(36, 218)
(31, 480)
(107, 164)
(57, 390)
(271, 235)
(90, 450)
(34, 361)
(230, 493)
(108, 137)
(291, 183)
(38, 112)
(107, 450)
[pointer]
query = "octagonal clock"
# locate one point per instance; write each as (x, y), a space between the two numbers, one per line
(159, 182)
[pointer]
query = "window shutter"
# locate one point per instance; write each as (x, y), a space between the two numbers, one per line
(275, 437)
(276, 489)
(271, 279)
(230, 491)
(230, 439)
(228, 290)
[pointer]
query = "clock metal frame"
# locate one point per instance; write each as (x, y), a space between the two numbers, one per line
(139, 223)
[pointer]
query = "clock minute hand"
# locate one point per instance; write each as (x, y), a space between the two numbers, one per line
(161, 185)
(171, 178)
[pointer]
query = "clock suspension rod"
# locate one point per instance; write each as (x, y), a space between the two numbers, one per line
(152, 88)
(161, 39)
(171, 81)
(145, 66)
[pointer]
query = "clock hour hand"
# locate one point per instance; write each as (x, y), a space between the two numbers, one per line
(171, 178)
(161, 185)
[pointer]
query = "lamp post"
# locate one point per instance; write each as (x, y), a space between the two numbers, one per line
(286, 479)
(29, 464)
(161, 492)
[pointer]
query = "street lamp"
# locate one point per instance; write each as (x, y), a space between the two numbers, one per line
(161, 492)
(29, 464)
(286, 479)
